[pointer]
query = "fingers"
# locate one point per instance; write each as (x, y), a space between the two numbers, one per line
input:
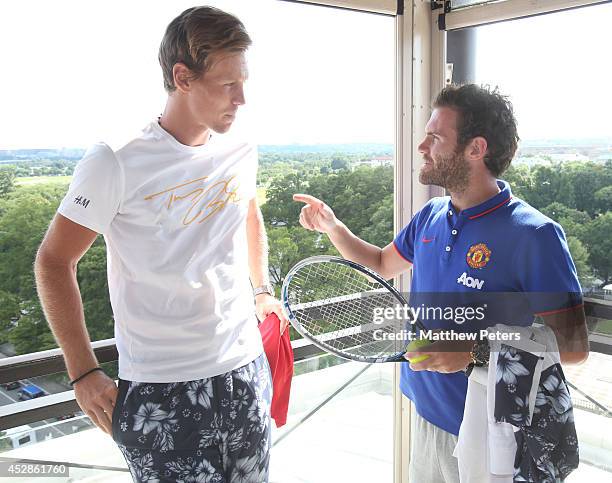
(310, 216)
(273, 307)
(311, 200)
(96, 395)
(284, 321)
(100, 418)
(112, 399)
(315, 215)
(305, 219)
(421, 366)
(94, 419)
(103, 419)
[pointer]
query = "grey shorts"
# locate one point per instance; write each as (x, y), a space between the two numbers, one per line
(431, 453)
(211, 430)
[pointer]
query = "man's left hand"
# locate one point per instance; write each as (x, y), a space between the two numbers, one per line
(265, 304)
(444, 356)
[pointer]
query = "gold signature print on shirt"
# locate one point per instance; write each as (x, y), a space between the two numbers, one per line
(206, 201)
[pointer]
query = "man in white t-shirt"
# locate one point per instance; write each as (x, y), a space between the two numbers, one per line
(178, 211)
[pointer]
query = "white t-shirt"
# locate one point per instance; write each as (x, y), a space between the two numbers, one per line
(174, 222)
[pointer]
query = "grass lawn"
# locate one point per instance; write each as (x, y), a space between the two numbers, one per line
(604, 327)
(42, 179)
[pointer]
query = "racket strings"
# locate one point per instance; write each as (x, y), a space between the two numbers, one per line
(344, 308)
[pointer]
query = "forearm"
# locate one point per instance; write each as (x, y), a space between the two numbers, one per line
(571, 333)
(60, 299)
(354, 248)
(257, 242)
(573, 345)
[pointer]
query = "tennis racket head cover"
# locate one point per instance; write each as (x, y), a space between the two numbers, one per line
(348, 310)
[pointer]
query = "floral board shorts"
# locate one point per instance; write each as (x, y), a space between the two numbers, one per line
(211, 430)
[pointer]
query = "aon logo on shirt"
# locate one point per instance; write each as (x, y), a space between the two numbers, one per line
(470, 281)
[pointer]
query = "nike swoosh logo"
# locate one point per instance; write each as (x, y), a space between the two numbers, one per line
(427, 240)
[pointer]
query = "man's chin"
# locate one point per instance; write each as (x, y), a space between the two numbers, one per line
(430, 181)
(222, 128)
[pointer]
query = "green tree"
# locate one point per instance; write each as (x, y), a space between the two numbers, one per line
(338, 163)
(9, 312)
(520, 180)
(7, 180)
(24, 218)
(281, 256)
(574, 222)
(586, 179)
(603, 199)
(31, 332)
(548, 186)
(93, 284)
(311, 243)
(380, 230)
(280, 205)
(580, 255)
(599, 244)
(355, 196)
(289, 245)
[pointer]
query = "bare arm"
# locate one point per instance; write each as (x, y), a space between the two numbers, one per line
(571, 332)
(258, 265)
(316, 215)
(258, 246)
(55, 269)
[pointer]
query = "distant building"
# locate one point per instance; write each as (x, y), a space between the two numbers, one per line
(374, 162)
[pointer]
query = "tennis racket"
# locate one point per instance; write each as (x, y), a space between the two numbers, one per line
(345, 308)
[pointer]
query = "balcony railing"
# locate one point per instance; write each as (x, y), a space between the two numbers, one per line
(64, 404)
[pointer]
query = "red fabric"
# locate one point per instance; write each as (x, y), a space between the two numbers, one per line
(280, 357)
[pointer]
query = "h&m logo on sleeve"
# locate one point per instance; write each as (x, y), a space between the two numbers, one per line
(80, 200)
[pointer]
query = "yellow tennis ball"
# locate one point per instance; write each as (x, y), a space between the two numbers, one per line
(415, 344)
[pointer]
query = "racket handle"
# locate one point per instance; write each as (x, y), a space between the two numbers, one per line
(397, 358)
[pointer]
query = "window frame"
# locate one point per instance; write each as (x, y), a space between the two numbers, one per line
(385, 7)
(482, 14)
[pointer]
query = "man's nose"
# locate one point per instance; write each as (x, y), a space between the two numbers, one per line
(239, 99)
(424, 146)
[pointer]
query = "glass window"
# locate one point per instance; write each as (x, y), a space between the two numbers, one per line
(320, 107)
(553, 70)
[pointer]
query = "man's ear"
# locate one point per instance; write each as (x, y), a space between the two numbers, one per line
(476, 149)
(182, 76)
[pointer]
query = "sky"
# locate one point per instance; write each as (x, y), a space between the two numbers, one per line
(76, 72)
(556, 69)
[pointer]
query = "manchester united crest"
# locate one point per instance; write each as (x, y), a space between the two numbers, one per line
(478, 255)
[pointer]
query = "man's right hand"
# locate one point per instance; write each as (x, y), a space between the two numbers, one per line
(97, 394)
(316, 215)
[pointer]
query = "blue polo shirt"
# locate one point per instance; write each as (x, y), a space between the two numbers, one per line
(502, 254)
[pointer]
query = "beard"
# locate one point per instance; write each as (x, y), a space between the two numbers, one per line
(451, 172)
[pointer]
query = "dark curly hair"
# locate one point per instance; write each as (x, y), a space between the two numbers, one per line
(486, 113)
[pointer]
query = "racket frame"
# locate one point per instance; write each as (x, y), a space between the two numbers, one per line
(398, 357)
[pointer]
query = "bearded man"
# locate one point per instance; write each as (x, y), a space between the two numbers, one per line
(478, 242)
